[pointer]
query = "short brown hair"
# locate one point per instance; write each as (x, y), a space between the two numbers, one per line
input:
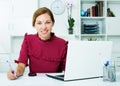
(41, 11)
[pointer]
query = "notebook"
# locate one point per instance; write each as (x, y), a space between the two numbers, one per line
(85, 60)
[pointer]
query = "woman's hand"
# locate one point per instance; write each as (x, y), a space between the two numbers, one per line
(12, 75)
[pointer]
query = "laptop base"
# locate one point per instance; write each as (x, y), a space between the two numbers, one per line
(61, 77)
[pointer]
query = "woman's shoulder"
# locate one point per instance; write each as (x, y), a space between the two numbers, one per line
(61, 40)
(30, 35)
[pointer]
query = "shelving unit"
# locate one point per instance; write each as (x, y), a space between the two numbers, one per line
(113, 27)
(90, 16)
(109, 26)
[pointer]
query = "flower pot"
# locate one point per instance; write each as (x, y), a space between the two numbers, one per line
(70, 31)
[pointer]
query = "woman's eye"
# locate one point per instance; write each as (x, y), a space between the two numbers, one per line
(39, 23)
(48, 22)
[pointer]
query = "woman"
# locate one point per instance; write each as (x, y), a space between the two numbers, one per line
(43, 52)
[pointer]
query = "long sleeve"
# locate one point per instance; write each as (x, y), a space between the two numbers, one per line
(23, 56)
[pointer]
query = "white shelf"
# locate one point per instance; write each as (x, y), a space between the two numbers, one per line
(109, 27)
(96, 18)
(97, 35)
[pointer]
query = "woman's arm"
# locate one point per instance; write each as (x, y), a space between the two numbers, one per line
(17, 73)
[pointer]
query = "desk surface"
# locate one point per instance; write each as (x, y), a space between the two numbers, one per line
(43, 80)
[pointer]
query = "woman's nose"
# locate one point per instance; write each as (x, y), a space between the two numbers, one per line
(44, 26)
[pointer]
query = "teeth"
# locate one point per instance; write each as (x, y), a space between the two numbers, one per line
(44, 31)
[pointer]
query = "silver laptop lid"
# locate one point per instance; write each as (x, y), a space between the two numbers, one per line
(85, 59)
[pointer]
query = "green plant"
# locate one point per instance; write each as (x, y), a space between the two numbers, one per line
(71, 22)
(70, 19)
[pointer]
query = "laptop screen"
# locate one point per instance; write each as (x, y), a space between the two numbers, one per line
(85, 59)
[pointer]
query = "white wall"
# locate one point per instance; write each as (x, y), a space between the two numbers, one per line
(61, 24)
(21, 23)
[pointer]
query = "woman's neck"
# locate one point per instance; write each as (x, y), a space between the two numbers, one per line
(45, 38)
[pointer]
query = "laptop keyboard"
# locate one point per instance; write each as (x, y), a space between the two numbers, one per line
(60, 75)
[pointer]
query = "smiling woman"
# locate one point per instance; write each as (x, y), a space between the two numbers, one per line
(44, 26)
(43, 49)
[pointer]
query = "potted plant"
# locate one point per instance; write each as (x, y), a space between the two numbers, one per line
(71, 24)
(71, 20)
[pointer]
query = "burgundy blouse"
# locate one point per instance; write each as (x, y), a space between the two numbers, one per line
(43, 56)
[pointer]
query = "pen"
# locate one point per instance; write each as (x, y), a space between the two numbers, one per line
(10, 66)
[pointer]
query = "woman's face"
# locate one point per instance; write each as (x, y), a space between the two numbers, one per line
(43, 25)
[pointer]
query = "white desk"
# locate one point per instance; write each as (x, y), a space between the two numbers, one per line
(43, 80)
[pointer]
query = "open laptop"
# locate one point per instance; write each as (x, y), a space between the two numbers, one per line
(85, 60)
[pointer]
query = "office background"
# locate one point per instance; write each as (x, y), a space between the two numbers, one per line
(16, 20)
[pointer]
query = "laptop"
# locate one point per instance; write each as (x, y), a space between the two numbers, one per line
(85, 60)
